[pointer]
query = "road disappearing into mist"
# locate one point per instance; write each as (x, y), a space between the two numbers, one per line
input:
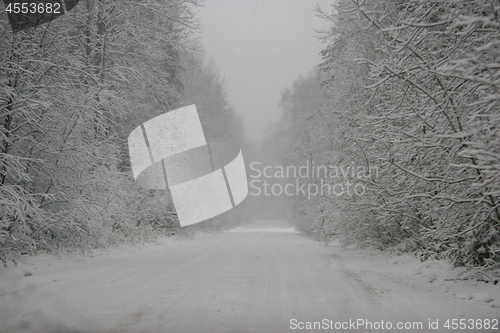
(262, 278)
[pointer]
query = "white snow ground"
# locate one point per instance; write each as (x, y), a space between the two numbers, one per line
(261, 278)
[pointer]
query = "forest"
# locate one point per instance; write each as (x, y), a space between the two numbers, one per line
(405, 106)
(409, 92)
(71, 91)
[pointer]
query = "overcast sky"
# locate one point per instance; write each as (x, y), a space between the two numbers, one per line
(261, 47)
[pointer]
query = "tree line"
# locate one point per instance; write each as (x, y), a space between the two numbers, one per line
(71, 91)
(411, 89)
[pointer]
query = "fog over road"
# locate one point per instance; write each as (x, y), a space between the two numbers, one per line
(254, 279)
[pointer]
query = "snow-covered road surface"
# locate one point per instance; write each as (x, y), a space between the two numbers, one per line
(260, 280)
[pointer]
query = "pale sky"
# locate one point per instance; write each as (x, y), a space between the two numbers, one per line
(260, 48)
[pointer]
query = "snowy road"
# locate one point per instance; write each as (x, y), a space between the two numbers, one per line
(234, 282)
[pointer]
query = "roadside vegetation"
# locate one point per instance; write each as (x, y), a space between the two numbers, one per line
(409, 89)
(71, 90)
